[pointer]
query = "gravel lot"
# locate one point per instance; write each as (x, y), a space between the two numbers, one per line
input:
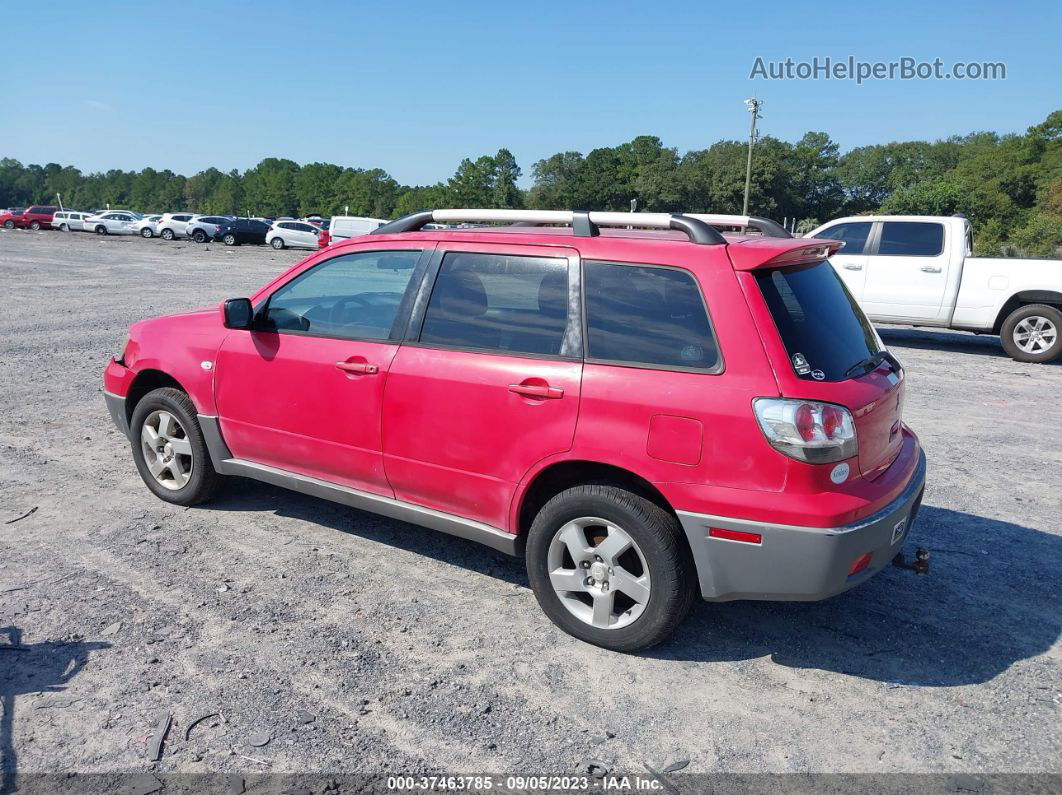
(359, 644)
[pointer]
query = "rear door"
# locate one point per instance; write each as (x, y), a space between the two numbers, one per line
(907, 271)
(488, 381)
(851, 260)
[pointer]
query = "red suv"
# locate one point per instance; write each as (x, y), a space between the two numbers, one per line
(640, 407)
(36, 217)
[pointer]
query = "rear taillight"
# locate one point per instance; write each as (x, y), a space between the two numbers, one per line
(807, 430)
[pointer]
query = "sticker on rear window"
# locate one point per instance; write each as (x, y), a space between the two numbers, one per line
(800, 364)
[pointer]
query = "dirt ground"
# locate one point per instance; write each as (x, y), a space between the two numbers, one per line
(323, 639)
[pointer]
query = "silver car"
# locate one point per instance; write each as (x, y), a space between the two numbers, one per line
(202, 227)
(147, 226)
(115, 222)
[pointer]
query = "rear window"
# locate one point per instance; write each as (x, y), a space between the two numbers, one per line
(823, 330)
(911, 239)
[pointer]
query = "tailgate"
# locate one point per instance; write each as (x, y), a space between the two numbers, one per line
(878, 422)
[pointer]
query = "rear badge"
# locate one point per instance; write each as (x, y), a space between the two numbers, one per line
(818, 375)
(897, 531)
(839, 474)
(800, 364)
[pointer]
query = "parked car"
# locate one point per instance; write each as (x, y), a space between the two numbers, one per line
(242, 230)
(642, 417)
(116, 222)
(173, 225)
(147, 226)
(203, 227)
(344, 227)
(293, 234)
(36, 217)
(920, 270)
(70, 220)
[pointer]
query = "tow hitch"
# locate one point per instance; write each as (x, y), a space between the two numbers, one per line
(921, 561)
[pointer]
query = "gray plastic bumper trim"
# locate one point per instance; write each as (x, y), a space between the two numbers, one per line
(116, 406)
(798, 563)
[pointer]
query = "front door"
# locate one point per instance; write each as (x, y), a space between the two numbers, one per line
(303, 391)
(488, 383)
(851, 261)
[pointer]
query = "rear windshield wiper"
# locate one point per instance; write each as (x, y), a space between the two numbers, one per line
(871, 362)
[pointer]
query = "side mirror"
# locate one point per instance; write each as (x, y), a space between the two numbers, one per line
(238, 313)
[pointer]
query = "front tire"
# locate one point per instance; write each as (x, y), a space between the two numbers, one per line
(145, 232)
(9, 224)
(101, 230)
(1033, 333)
(166, 234)
(230, 240)
(610, 567)
(35, 226)
(199, 236)
(277, 243)
(169, 450)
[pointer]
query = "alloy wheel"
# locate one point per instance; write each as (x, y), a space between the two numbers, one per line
(1035, 334)
(599, 573)
(167, 449)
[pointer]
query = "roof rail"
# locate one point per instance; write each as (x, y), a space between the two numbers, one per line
(584, 224)
(768, 227)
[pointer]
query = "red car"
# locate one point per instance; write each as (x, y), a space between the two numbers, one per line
(642, 408)
(36, 217)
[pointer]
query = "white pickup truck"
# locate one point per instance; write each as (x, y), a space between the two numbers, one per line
(918, 270)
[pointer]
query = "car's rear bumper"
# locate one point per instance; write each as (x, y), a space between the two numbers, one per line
(792, 563)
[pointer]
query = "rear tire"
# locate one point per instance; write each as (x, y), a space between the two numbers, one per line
(145, 232)
(633, 582)
(230, 240)
(1033, 333)
(35, 226)
(64, 228)
(169, 450)
(166, 234)
(101, 230)
(199, 236)
(277, 243)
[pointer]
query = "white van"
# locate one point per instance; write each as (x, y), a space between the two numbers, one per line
(344, 227)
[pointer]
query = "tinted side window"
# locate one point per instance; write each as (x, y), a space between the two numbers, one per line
(351, 297)
(911, 239)
(854, 236)
(647, 315)
(500, 303)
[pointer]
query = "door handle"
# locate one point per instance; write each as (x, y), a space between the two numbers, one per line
(542, 392)
(358, 368)
(851, 267)
(930, 269)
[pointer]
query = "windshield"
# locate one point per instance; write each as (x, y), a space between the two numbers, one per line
(824, 331)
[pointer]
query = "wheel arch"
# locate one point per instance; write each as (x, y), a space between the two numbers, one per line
(560, 475)
(146, 381)
(1023, 298)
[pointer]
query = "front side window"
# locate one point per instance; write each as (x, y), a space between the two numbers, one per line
(647, 315)
(356, 296)
(497, 302)
(854, 236)
(911, 239)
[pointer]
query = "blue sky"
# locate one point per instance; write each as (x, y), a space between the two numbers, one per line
(414, 87)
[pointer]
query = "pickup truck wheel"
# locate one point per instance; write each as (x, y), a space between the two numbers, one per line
(610, 567)
(169, 450)
(1033, 333)
(166, 234)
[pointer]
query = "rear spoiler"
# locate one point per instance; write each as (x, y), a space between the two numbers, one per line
(771, 252)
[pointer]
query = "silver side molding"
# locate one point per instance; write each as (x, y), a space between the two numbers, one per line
(225, 464)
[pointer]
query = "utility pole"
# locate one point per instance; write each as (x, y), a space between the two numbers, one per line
(754, 108)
